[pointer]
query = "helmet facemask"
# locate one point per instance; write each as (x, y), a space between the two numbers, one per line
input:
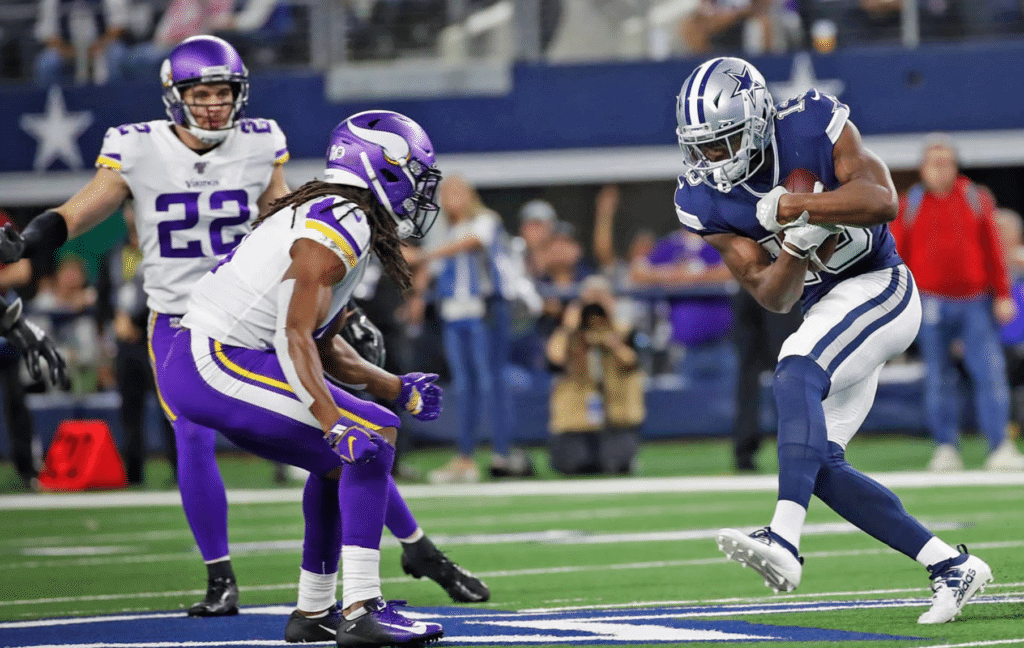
(726, 157)
(415, 215)
(239, 92)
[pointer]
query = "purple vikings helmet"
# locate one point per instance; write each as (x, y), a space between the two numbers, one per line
(392, 155)
(203, 59)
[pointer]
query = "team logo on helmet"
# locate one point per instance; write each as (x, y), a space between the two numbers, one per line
(392, 156)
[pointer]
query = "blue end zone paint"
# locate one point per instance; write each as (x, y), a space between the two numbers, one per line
(463, 626)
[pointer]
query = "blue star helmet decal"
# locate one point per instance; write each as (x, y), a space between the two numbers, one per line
(743, 81)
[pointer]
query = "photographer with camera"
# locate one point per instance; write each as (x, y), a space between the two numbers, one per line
(597, 400)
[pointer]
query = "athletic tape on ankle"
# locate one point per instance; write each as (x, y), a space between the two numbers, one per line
(360, 574)
(317, 591)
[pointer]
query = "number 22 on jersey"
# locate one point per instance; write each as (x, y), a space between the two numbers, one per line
(188, 205)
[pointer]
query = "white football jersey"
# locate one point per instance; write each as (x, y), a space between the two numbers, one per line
(237, 303)
(190, 208)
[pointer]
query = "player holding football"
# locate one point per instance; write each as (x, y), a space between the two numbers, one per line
(259, 335)
(199, 180)
(860, 305)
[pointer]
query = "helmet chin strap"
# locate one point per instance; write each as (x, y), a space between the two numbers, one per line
(723, 181)
(403, 226)
(209, 136)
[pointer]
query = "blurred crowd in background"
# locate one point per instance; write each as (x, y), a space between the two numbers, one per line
(518, 295)
(503, 303)
(99, 41)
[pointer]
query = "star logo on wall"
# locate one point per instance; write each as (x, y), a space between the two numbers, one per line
(802, 79)
(56, 132)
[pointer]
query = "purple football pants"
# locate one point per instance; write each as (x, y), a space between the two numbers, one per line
(253, 406)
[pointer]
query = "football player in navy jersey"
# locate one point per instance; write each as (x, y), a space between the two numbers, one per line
(859, 301)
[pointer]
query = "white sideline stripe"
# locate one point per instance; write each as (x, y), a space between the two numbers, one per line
(613, 486)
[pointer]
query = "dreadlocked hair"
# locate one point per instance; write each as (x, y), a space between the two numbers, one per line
(383, 233)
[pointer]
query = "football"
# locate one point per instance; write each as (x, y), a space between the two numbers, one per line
(802, 181)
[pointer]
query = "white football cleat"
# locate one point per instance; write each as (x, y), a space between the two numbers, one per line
(954, 583)
(766, 553)
(946, 459)
(1006, 457)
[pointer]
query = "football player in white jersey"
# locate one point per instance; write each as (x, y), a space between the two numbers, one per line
(199, 180)
(260, 334)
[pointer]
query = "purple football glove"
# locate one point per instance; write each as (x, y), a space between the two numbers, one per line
(352, 443)
(420, 396)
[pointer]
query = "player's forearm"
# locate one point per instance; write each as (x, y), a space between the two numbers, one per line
(860, 202)
(94, 202)
(779, 286)
(344, 364)
(305, 361)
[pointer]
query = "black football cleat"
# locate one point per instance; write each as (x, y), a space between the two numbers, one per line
(302, 629)
(383, 625)
(422, 558)
(221, 599)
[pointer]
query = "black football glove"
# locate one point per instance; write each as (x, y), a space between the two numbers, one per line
(364, 337)
(33, 344)
(12, 244)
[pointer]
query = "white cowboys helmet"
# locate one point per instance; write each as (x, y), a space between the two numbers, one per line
(725, 115)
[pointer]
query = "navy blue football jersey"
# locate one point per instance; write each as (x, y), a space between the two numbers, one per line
(806, 129)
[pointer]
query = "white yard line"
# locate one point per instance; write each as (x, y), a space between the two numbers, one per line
(617, 486)
(549, 537)
(541, 571)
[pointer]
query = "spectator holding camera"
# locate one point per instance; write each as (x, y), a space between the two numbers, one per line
(597, 400)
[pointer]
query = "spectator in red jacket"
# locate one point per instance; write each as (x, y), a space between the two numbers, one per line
(947, 235)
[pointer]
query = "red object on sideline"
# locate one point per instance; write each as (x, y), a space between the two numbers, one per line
(82, 456)
(953, 250)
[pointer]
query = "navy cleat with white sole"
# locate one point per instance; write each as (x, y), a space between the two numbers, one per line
(954, 583)
(303, 629)
(766, 553)
(382, 625)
